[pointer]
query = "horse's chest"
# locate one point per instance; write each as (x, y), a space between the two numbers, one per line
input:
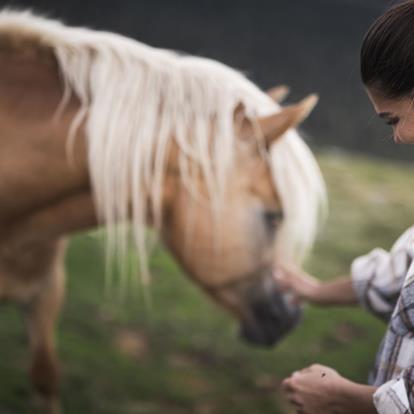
(24, 272)
(18, 289)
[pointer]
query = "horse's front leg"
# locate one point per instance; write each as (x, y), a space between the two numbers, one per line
(41, 316)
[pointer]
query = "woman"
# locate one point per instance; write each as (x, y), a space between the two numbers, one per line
(383, 282)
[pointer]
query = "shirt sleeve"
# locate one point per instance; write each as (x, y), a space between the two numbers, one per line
(396, 396)
(378, 276)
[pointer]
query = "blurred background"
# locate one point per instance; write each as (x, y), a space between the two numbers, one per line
(181, 354)
(311, 45)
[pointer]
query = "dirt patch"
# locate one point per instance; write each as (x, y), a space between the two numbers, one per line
(133, 344)
(346, 332)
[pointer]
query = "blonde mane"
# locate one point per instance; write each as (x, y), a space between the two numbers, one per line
(135, 98)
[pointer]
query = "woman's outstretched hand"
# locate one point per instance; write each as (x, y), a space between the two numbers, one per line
(303, 286)
(306, 288)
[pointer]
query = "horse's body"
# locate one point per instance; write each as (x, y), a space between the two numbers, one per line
(42, 199)
(49, 189)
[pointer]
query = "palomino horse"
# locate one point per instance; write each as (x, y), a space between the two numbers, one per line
(97, 128)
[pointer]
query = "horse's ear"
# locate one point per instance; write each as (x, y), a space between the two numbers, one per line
(274, 126)
(279, 93)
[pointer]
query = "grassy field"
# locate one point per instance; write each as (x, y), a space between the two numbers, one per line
(181, 355)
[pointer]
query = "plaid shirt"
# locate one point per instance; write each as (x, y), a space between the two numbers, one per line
(384, 284)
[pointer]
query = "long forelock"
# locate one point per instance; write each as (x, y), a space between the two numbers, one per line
(301, 187)
(135, 98)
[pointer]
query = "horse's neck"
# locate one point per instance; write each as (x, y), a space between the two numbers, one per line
(39, 184)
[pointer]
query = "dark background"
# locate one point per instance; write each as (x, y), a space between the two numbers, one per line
(311, 45)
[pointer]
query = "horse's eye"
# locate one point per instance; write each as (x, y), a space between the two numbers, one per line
(272, 218)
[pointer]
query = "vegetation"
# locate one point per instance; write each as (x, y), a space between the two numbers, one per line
(179, 353)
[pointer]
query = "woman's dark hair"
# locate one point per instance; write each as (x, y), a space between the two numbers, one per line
(387, 52)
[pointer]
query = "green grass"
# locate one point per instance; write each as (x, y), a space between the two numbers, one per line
(180, 354)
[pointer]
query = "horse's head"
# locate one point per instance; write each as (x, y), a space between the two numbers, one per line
(229, 246)
(183, 142)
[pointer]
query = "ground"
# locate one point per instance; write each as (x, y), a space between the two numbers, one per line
(172, 351)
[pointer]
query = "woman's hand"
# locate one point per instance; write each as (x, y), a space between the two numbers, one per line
(305, 287)
(302, 285)
(319, 389)
(315, 390)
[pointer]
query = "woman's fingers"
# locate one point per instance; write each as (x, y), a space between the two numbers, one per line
(295, 400)
(303, 286)
(288, 278)
(287, 385)
(292, 394)
(283, 281)
(288, 284)
(295, 403)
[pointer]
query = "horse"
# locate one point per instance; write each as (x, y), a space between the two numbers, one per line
(97, 129)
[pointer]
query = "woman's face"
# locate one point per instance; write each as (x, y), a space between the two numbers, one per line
(398, 113)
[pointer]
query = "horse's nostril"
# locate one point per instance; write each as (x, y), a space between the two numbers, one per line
(256, 336)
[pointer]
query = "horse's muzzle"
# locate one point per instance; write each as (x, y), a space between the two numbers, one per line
(272, 314)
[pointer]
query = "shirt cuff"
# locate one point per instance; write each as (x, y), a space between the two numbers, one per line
(363, 271)
(391, 398)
